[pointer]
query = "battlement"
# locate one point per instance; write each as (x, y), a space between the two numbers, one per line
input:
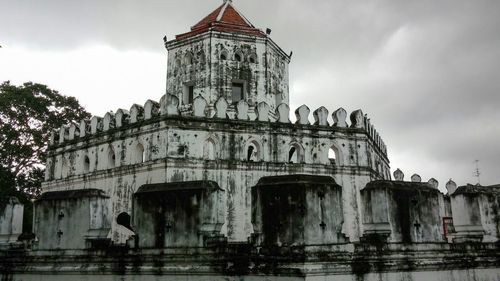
(169, 106)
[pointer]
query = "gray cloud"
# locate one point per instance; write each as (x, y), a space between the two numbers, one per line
(426, 72)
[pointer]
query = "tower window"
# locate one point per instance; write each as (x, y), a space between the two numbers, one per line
(223, 55)
(252, 58)
(188, 59)
(237, 57)
(86, 164)
(188, 94)
(111, 158)
(140, 154)
(237, 93)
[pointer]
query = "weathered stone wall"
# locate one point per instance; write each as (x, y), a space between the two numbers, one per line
(71, 219)
(406, 212)
(154, 144)
(212, 61)
(11, 219)
(359, 261)
(479, 274)
(476, 215)
(297, 210)
(184, 214)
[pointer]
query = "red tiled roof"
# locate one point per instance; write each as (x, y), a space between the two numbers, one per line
(225, 19)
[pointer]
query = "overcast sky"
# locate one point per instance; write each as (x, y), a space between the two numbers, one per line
(426, 72)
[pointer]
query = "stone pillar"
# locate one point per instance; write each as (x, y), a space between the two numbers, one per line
(11, 219)
(466, 218)
(375, 214)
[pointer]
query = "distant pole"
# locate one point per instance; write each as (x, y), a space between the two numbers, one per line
(477, 172)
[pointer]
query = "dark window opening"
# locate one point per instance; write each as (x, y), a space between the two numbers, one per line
(332, 155)
(292, 155)
(251, 59)
(111, 159)
(237, 92)
(223, 56)
(86, 164)
(123, 219)
(237, 57)
(140, 154)
(190, 94)
(250, 152)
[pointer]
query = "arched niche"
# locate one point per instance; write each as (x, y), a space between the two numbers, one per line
(334, 155)
(253, 151)
(209, 149)
(139, 154)
(111, 157)
(86, 164)
(295, 153)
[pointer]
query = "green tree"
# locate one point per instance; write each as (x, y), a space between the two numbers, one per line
(28, 115)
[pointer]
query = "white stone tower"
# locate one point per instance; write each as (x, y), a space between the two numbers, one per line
(224, 55)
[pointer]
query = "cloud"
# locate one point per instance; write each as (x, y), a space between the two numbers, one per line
(426, 72)
(102, 78)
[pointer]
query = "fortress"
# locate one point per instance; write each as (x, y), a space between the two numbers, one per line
(214, 182)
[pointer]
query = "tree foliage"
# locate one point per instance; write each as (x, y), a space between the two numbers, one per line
(28, 115)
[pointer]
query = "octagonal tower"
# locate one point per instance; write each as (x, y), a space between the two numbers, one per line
(224, 55)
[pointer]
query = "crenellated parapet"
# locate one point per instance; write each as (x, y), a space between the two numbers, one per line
(233, 144)
(403, 211)
(169, 107)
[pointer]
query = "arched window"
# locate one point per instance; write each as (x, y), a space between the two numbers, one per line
(333, 155)
(140, 154)
(292, 155)
(223, 55)
(209, 150)
(238, 57)
(188, 59)
(111, 158)
(64, 168)
(123, 219)
(252, 58)
(253, 152)
(295, 154)
(86, 164)
(201, 57)
(188, 93)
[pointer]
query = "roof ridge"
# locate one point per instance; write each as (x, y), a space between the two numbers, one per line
(222, 11)
(241, 15)
(226, 18)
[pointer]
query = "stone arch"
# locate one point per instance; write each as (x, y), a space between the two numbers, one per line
(201, 58)
(252, 58)
(49, 170)
(86, 163)
(65, 169)
(295, 153)
(223, 55)
(253, 151)
(210, 149)
(139, 154)
(111, 157)
(335, 154)
(238, 56)
(178, 64)
(188, 58)
(124, 220)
